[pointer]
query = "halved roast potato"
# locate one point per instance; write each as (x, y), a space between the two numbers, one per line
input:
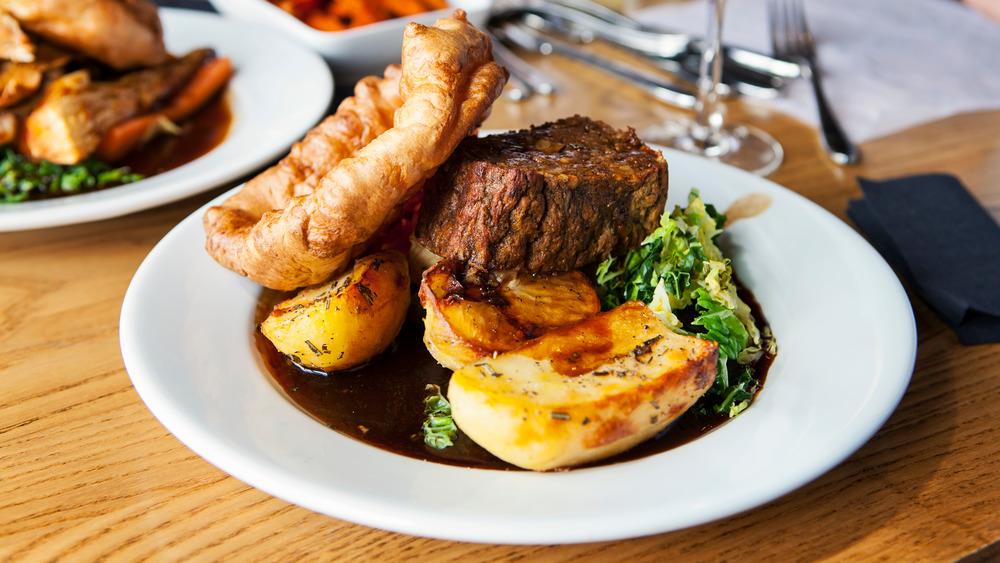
(473, 314)
(344, 322)
(583, 392)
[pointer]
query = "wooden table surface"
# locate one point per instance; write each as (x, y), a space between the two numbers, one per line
(87, 473)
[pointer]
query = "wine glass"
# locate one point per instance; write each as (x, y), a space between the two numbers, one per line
(707, 134)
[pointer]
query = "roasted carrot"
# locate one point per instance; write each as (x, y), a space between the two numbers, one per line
(300, 8)
(324, 22)
(430, 5)
(400, 8)
(205, 83)
(334, 15)
(124, 136)
(355, 12)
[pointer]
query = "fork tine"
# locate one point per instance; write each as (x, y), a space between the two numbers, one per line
(788, 26)
(783, 39)
(804, 42)
(773, 26)
(794, 41)
(799, 17)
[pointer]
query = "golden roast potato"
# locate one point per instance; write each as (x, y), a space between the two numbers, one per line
(345, 322)
(473, 314)
(583, 392)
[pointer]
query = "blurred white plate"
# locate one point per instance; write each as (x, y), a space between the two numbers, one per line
(847, 344)
(352, 53)
(278, 92)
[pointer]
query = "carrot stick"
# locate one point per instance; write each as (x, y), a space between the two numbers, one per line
(209, 79)
(124, 136)
(205, 83)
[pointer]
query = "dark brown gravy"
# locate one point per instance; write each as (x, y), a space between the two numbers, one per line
(204, 131)
(382, 402)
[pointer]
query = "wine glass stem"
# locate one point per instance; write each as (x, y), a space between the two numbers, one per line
(709, 109)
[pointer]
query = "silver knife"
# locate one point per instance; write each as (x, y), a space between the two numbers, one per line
(625, 32)
(663, 89)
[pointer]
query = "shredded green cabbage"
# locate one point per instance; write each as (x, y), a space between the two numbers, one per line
(681, 273)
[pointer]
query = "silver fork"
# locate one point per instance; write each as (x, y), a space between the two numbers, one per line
(791, 40)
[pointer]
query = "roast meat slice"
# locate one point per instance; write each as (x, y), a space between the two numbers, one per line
(551, 198)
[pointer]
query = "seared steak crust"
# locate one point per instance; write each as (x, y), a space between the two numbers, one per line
(551, 198)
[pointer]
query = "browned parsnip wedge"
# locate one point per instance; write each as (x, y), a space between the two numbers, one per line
(583, 392)
(345, 322)
(472, 315)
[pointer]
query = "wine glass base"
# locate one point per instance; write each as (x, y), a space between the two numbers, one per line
(741, 146)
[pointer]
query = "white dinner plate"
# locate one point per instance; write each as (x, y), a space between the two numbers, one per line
(846, 339)
(279, 90)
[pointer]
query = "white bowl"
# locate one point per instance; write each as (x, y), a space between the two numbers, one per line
(352, 53)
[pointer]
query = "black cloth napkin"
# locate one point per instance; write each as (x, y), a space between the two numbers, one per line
(942, 242)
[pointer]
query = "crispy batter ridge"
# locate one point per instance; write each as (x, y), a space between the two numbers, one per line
(358, 121)
(285, 233)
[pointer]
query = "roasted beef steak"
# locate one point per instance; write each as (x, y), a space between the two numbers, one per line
(551, 198)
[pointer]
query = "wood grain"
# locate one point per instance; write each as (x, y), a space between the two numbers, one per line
(87, 473)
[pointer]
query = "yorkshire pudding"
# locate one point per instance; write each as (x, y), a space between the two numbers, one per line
(285, 231)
